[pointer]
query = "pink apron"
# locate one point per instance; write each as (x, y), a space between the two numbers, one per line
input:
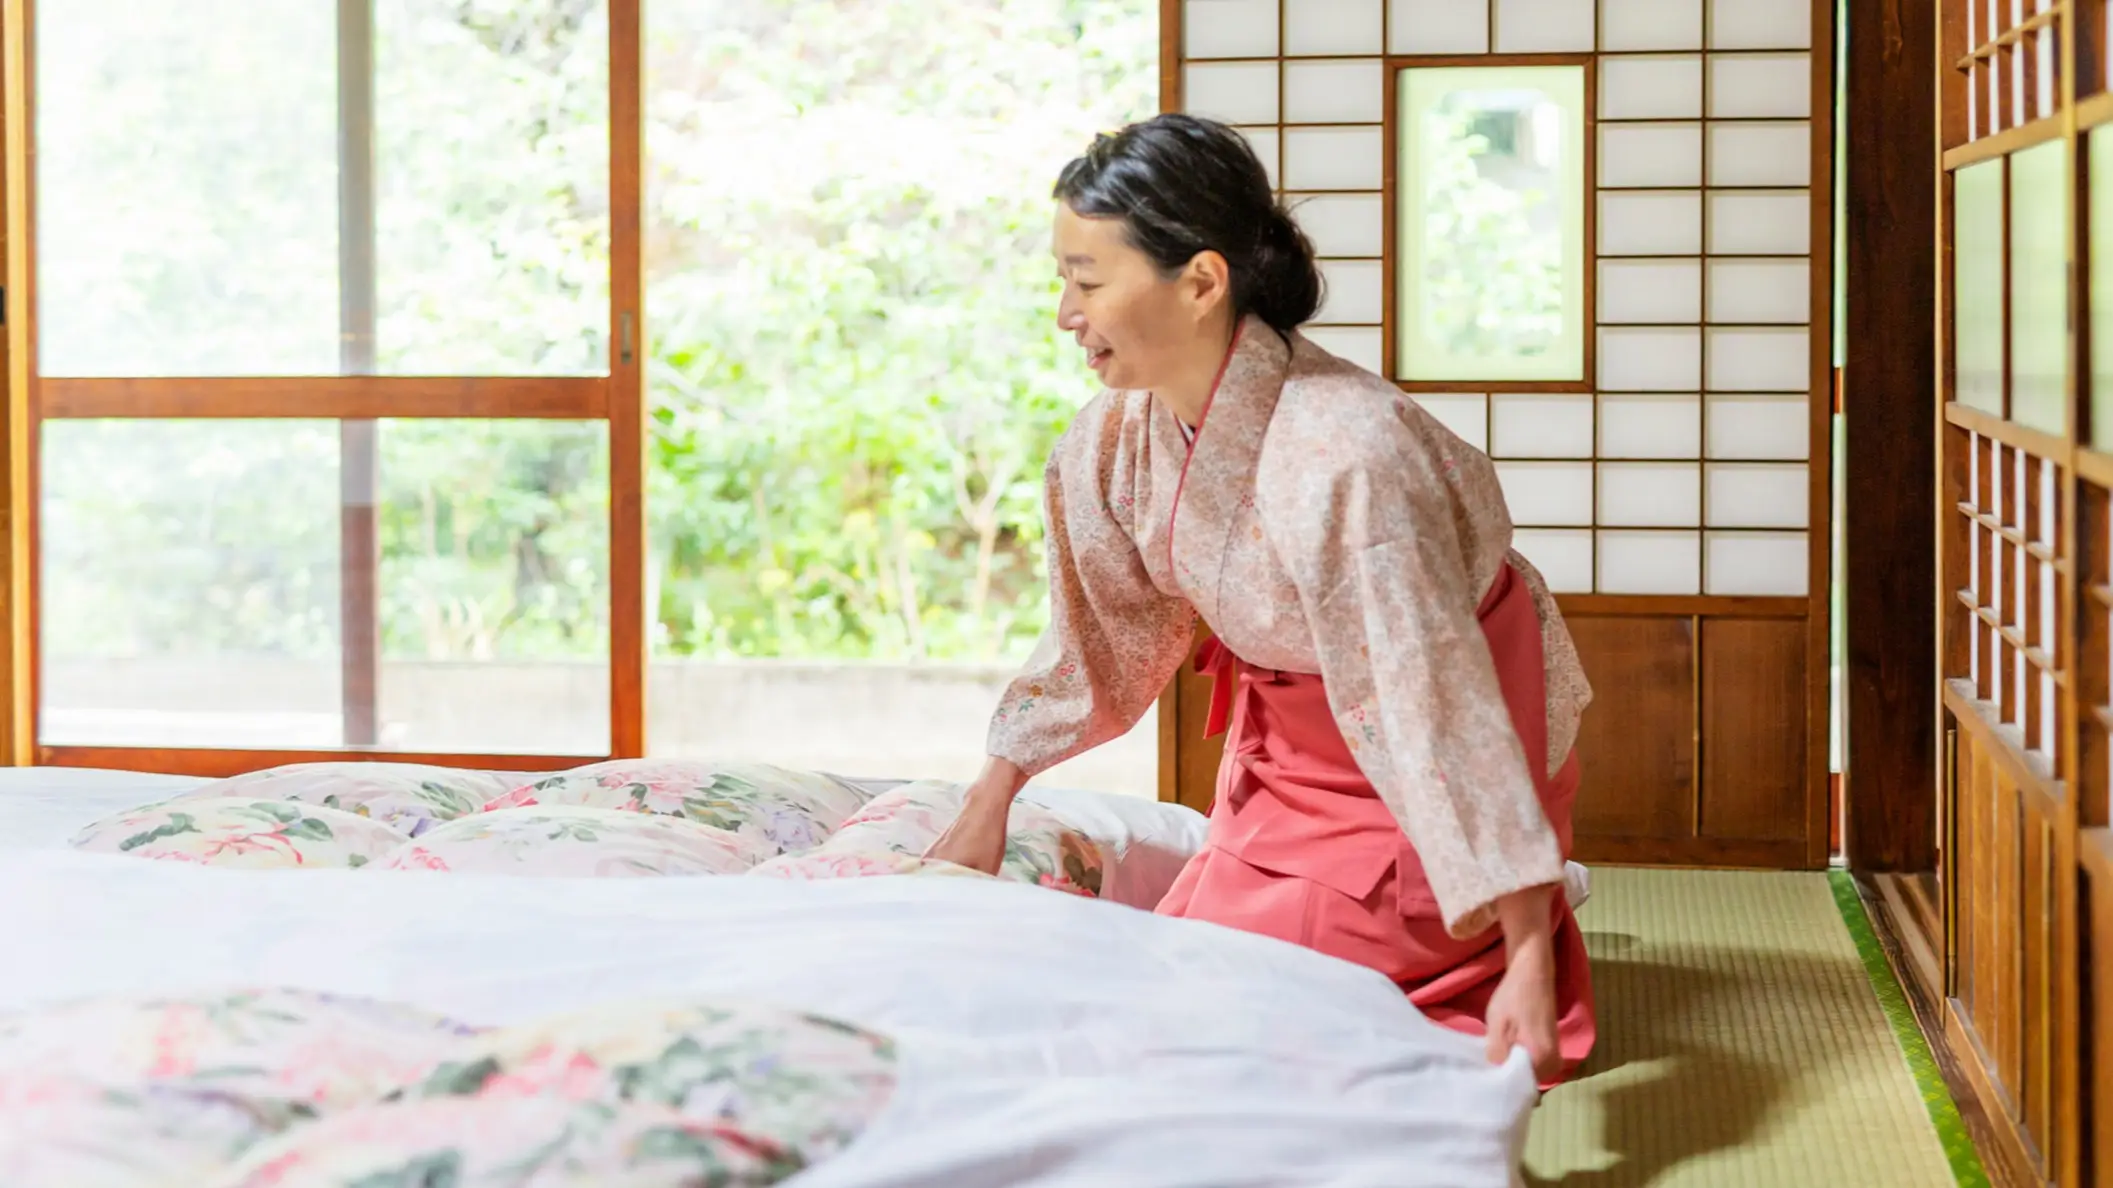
(1301, 848)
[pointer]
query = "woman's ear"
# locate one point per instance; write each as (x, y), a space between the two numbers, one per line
(1206, 284)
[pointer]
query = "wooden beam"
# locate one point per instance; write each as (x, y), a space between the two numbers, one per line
(220, 763)
(327, 397)
(1889, 414)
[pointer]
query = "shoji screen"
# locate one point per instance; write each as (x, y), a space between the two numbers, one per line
(1594, 239)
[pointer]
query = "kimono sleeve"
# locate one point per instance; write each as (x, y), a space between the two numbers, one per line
(1385, 574)
(1114, 639)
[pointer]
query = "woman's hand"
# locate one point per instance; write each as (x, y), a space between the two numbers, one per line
(1522, 1011)
(976, 839)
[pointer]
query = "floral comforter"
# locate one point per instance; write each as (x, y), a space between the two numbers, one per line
(623, 818)
(288, 1088)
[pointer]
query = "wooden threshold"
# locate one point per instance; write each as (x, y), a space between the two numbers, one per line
(1701, 853)
(1932, 1019)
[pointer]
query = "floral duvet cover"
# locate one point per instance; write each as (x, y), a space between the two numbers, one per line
(289, 1088)
(620, 819)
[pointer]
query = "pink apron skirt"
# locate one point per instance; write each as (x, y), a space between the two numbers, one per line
(1302, 849)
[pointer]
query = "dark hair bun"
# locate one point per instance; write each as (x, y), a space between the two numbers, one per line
(1284, 283)
(1184, 185)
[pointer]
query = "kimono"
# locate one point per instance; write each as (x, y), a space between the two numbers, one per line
(1400, 691)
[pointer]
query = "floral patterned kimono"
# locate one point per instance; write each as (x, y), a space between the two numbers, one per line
(1400, 691)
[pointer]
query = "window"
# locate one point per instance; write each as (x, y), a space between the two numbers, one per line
(1491, 202)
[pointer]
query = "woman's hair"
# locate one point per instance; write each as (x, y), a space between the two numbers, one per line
(1183, 185)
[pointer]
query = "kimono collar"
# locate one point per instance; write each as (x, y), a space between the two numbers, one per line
(1217, 483)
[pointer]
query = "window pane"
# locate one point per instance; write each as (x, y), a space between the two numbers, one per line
(1977, 286)
(1492, 185)
(195, 580)
(2101, 264)
(856, 372)
(2039, 286)
(204, 203)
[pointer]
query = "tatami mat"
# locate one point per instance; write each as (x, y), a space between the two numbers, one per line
(1741, 1043)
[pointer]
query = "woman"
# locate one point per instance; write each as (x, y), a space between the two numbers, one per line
(1401, 692)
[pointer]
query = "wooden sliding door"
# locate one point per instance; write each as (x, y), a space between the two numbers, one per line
(325, 341)
(2025, 592)
(1594, 237)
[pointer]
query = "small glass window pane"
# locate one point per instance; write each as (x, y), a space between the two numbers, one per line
(1492, 272)
(2039, 285)
(2101, 288)
(1977, 285)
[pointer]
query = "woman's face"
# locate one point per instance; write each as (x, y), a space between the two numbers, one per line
(1137, 326)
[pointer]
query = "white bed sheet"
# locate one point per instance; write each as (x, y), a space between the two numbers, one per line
(1048, 1041)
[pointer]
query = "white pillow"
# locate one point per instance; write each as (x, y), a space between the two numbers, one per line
(1145, 842)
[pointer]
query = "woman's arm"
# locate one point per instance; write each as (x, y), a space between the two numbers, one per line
(1113, 641)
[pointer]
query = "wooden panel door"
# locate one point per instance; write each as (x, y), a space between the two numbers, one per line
(1663, 442)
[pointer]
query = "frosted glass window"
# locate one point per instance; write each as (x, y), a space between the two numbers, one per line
(1749, 86)
(1342, 225)
(1760, 426)
(2101, 281)
(1540, 425)
(1760, 154)
(1652, 87)
(1778, 291)
(1491, 236)
(1977, 285)
(1361, 345)
(1466, 416)
(1354, 292)
(1647, 156)
(1635, 562)
(2039, 285)
(1758, 495)
(1545, 26)
(1231, 92)
(1266, 142)
(1760, 24)
(1760, 224)
(1543, 494)
(1760, 360)
(1439, 27)
(1648, 223)
(1650, 291)
(1759, 564)
(1334, 92)
(1229, 28)
(1333, 158)
(1634, 425)
(1563, 555)
(1650, 494)
(1334, 27)
(1650, 25)
(1657, 359)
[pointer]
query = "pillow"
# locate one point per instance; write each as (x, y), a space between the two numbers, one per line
(411, 797)
(572, 841)
(242, 832)
(788, 810)
(116, 1093)
(1039, 847)
(1145, 842)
